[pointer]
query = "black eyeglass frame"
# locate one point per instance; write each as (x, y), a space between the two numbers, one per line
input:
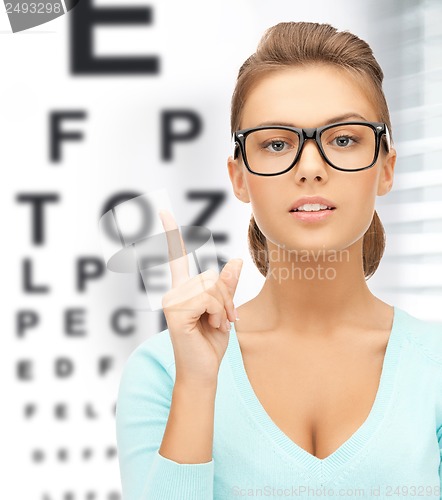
(379, 129)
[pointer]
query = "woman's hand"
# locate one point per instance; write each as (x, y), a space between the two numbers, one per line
(198, 312)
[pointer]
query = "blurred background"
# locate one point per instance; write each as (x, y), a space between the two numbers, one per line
(114, 99)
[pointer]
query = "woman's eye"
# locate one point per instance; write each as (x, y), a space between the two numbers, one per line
(344, 141)
(276, 146)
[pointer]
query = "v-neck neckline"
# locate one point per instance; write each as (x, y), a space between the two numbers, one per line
(322, 467)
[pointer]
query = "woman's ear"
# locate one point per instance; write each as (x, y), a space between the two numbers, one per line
(386, 177)
(237, 178)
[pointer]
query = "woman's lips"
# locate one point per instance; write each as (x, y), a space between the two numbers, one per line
(313, 216)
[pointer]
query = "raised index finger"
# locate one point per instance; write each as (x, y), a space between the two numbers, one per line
(178, 260)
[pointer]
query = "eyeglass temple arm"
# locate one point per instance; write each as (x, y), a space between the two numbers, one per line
(387, 138)
(235, 147)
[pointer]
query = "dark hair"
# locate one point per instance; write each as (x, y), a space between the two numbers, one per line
(291, 44)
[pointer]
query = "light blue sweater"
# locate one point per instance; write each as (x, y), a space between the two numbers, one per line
(396, 453)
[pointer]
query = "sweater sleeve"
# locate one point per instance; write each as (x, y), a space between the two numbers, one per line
(439, 436)
(143, 405)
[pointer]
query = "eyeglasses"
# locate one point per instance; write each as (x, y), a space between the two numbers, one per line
(347, 146)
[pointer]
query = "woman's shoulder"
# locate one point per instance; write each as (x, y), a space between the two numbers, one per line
(424, 333)
(153, 356)
(158, 343)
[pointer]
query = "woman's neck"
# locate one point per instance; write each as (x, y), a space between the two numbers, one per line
(316, 292)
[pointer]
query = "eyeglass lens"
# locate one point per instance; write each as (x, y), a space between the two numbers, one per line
(273, 150)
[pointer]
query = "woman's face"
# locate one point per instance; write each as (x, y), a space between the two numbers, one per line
(311, 97)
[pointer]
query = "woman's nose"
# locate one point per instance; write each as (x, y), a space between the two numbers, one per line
(311, 165)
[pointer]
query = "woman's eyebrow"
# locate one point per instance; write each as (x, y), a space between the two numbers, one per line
(335, 119)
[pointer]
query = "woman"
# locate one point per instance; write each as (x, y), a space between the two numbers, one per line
(320, 388)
